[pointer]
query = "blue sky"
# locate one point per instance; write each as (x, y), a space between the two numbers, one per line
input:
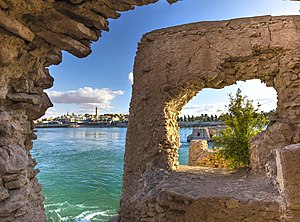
(102, 78)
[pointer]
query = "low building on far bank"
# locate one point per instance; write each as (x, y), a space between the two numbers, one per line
(105, 120)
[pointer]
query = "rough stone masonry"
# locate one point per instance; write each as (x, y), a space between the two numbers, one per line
(174, 64)
(201, 155)
(171, 66)
(33, 34)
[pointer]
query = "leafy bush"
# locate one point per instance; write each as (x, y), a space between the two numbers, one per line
(242, 122)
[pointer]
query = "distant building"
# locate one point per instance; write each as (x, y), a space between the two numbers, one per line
(115, 119)
(70, 120)
(200, 133)
(205, 133)
(80, 119)
(96, 112)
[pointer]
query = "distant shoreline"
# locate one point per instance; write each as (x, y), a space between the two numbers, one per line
(78, 126)
(124, 125)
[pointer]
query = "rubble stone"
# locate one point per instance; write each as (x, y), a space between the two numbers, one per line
(33, 35)
(171, 66)
(201, 155)
(174, 64)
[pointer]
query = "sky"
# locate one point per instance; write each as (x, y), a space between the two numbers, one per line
(104, 79)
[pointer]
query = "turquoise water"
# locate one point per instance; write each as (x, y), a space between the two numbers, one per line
(81, 171)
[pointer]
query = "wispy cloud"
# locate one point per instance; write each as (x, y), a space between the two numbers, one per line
(130, 77)
(260, 93)
(51, 112)
(253, 89)
(214, 108)
(87, 98)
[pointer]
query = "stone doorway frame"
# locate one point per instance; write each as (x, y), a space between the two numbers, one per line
(173, 64)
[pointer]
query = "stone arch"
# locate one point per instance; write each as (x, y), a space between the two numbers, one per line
(33, 34)
(172, 65)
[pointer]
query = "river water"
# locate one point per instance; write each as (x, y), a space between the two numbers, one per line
(81, 171)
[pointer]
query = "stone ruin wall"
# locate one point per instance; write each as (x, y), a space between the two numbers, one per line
(201, 155)
(171, 66)
(33, 34)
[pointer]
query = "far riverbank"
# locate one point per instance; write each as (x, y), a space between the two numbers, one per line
(76, 125)
(181, 124)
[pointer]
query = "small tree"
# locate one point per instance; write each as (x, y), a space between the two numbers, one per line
(188, 118)
(193, 118)
(242, 122)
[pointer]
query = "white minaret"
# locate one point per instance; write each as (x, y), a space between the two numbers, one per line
(96, 109)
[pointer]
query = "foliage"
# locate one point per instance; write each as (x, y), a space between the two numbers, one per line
(202, 118)
(242, 122)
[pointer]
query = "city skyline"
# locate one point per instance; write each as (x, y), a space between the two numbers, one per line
(104, 79)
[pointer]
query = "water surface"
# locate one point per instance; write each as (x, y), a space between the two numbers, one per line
(81, 171)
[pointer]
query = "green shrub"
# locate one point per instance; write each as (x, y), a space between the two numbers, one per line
(242, 122)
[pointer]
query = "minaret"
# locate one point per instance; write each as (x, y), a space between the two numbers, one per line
(96, 109)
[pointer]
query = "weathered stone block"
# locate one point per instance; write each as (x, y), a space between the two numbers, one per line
(16, 27)
(198, 149)
(288, 177)
(16, 200)
(13, 159)
(3, 192)
(201, 155)
(65, 42)
(16, 181)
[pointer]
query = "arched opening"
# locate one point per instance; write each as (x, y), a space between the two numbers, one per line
(34, 33)
(165, 84)
(200, 117)
(90, 190)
